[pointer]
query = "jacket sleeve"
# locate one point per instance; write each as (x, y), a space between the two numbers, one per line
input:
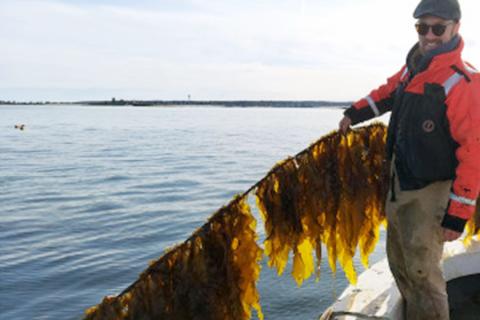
(463, 112)
(377, 102)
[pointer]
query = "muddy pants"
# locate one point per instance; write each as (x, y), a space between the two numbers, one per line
(415, 246)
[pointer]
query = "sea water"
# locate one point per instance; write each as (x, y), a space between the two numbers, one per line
(90, 195)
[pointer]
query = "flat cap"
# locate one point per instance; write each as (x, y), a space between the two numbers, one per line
(445, 9)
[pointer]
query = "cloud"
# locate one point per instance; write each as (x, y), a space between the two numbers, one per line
(210, 49)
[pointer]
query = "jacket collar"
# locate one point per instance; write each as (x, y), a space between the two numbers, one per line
(446, 54)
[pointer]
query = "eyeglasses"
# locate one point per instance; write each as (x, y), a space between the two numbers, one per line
(437, 29)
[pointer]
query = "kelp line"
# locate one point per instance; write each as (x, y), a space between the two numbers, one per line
(212, 275)
(332, 193)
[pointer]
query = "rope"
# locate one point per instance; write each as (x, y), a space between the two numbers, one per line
(357, 315)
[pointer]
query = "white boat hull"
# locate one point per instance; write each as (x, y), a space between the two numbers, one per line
(376, 296)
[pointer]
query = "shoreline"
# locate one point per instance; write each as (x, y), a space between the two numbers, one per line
(196, 103)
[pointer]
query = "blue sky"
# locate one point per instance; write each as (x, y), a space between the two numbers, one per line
(324, 50)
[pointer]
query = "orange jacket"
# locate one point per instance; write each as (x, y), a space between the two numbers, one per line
(460, 84)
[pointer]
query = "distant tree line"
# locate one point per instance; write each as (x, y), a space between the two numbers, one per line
(221, 103)
(12, 102)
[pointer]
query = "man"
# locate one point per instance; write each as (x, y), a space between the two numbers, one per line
(434, 144)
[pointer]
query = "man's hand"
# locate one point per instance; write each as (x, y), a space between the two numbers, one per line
(344, 124)
(450, 235)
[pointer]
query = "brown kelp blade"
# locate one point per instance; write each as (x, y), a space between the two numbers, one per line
(332, 193)
(473, 225)
(212, 275)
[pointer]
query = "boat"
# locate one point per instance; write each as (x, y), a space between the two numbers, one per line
(376, 296)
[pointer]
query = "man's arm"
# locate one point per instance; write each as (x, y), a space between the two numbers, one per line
(463, 113)
(373, 105)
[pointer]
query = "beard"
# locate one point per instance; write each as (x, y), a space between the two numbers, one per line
(426, 46)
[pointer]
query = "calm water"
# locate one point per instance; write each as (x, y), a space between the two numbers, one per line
(90, 195)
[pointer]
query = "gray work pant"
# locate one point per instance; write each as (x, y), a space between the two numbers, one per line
(415, 246)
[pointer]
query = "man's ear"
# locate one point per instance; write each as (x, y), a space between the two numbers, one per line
(456, 27)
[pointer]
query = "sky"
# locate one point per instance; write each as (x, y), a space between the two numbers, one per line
(338, 50)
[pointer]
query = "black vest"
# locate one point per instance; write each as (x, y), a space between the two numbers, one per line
(418, 133)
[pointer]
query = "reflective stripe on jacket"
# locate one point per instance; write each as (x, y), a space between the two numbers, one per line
(436, 128)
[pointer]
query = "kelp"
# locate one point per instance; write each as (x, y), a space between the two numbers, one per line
(472, 228)
(332, 193)
(212, 275)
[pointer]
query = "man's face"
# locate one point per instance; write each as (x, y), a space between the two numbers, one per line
(430, 40)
